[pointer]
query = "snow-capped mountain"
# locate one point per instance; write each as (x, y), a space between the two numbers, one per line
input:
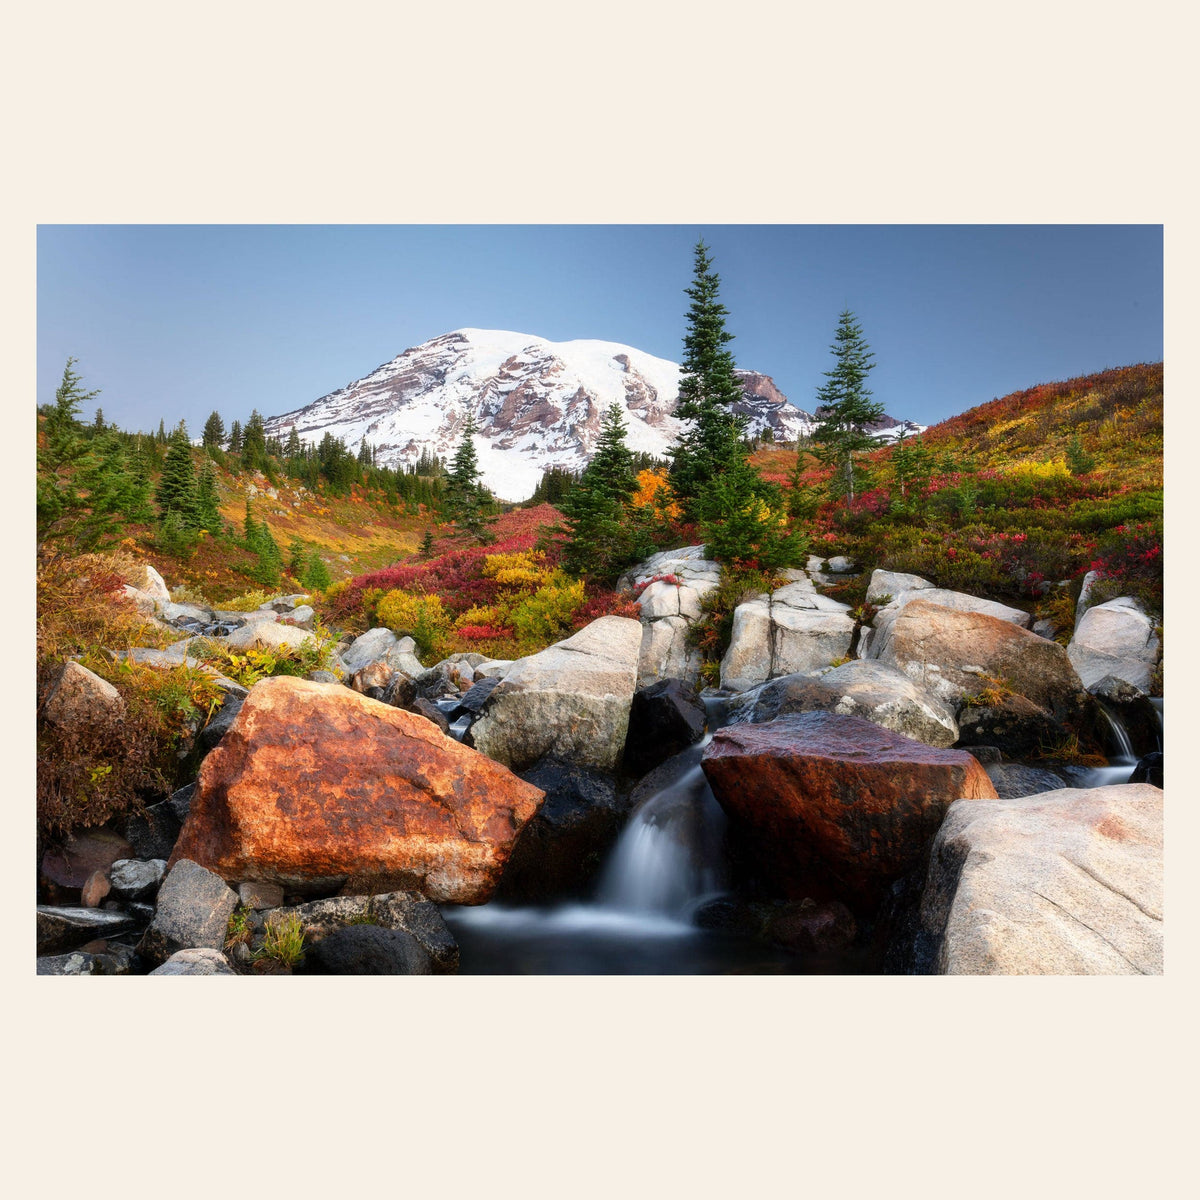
(537, 404)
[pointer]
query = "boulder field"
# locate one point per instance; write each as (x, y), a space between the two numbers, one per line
(350, 804)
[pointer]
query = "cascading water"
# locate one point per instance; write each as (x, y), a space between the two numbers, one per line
(668, 859)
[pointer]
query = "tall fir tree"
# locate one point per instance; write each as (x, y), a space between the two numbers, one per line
(176, 492)
(235, 438)
(602, 537)
(59, 454)
(294, 448)
(254, 443)
(708, 388)
(465, 495)
(214, 430)
(844, 406)
(208, 512)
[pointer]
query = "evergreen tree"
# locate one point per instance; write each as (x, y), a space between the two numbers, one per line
(161, 436)
(254, 443)
(1079, 461)
(98, 423)
(316, 577)
(214, 430)
(465, 496)
(235, 438)
(426, 550)
(743, 520)
(176, 490)
(294, 447)
(844, 407)
(297, 557)
(708, 388)
(912, 464)
(208, 512)
(601, 536)
(62, 451)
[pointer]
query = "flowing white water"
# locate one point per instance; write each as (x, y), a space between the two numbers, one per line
(1120, 738)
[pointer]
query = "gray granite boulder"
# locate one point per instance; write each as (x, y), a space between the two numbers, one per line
(194, 907)
(1068, 882)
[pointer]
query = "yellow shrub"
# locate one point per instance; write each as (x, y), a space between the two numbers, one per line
(334, 591)
(1036, 472)
(420, 617)
(546, 616)
(522, 568)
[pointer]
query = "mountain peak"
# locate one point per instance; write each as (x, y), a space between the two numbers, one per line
(537, 404)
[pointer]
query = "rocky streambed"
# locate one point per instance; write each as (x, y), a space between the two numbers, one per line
(854, 798)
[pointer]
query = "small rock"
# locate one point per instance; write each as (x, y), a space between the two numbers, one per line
(96, 888)
(135, 878)
(431, 712)
(194, 907)
(80, 697)
(260, 895)
(200, 960)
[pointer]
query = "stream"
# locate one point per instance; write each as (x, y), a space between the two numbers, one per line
(668, 861)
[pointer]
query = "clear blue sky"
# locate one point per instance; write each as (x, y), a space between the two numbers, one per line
(175, 321)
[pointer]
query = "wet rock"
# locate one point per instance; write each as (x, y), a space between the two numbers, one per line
(431, 712)
(313, 784)
(436, 684)
(1116, 638)
(194, 906)
(475, 699)
(839, 564)
(201, 960)
(809, 927)
(407, 911)
(366, 950)
(1013, 780)
(561, 850)
(94, 890)
(1013, 724)
(1149, 770)
(571, 700)
(135, 879)
(1064, 883)
(62, 928)
(836, 800)
(78, 697)
(874, 691)
(664, 718)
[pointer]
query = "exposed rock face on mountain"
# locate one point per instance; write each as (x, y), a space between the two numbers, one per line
(537, 403)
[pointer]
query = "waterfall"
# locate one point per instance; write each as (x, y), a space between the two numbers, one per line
(1120, 738)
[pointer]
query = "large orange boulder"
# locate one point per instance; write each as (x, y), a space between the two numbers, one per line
(316, 785)
(836, 804)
